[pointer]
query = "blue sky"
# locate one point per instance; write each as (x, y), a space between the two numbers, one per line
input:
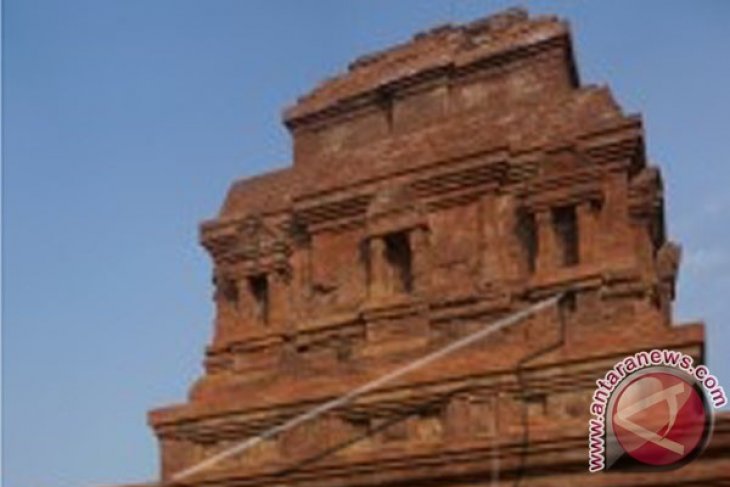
(125, 121)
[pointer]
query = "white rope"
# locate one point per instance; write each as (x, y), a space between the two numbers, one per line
(365, 388)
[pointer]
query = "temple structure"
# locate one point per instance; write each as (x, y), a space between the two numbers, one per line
(437, 186)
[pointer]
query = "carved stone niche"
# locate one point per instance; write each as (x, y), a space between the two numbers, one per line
(391, 429)
(254, 238)
(397, 244)
(252, 280)
(470, 415)
(227, 306)
(264, 246)
(426, 426)
(357, 434)
(570, 406)
(322, 435)
(242, 302)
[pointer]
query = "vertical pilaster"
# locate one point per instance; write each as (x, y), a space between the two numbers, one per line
(617, 237)
(547, 254)
(246, 304)
(226, 301)
(418, 241)
(499, 249)
(379, 272)
(587, 232)
(301, 284)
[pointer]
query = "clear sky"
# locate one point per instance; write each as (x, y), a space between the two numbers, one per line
(126, 120)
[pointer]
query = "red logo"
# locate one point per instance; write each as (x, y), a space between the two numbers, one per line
(661, 419)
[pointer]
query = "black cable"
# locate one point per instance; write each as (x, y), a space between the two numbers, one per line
(562, 303)
(566, 300)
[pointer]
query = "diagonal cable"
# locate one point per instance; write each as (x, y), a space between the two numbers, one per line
(365, 388)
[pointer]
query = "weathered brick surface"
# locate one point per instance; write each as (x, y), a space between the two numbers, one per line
(436, 186)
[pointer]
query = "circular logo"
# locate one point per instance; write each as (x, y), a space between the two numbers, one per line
(661, 418)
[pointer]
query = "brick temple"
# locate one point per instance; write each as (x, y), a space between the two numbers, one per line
(436, 187)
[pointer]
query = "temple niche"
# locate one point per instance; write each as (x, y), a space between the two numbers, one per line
(436, 186)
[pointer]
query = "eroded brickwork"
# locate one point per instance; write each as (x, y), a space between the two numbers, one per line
(436, 186)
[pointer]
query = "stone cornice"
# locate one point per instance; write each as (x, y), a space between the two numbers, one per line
(444, 55)
(563, 456)
(503, 167)
(688, 337)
